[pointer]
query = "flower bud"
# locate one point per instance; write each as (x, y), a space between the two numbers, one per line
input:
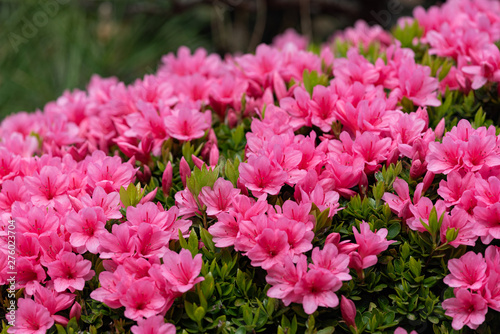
(76, 311)
(166, 179)
(184, 170)
(348, 310)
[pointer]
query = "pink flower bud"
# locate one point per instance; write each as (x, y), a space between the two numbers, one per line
(348, 310)
(428, 178)
(149, 197)
(76, 311)
(166, 179)
(214, 156)
(76, 203)
(184, 170)
(440, 129)
(144, 177)
(197, 161)
(417, 169)
(232, 119)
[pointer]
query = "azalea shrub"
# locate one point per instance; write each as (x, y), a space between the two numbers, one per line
(352, 186)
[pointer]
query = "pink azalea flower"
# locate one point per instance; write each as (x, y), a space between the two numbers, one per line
(492, 257)
(487, 192)
(48, 186)
(322, 106)
(186, 123)
(480, 151)
(344, 247)
(453, 188)
(399, 204)
(261, 66)
(51, 246)
(186, 63)
(112, 284)
(318, 289)
(299, 108)
(54, 302)
(70, 271)
(290, 36)
(421, 212)
(219, 198)
(12, 191)
(370, 244)
(491, 291)
(488, 222)
(151, 241)
(85, 228)
(261, 175)
(283, 278)
(461, 222)
(186, 203)
(329, 258)
(416, 83)
(486, 66)
(109, 173)
(445, 157)
(272, 247)
(373, 149)
(355, 68)
(182, 270)
(468, 272)
(225, 230)
(141, 300)
(299, 235)
(27, 247)
(109, 202)
(467, 308)
(34, 221)
(153, 325)
(31, 318)
(29, 274)
(118, 245)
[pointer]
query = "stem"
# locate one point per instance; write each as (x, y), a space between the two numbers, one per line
(434, 250)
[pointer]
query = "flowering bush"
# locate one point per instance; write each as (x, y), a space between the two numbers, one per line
(290, 190)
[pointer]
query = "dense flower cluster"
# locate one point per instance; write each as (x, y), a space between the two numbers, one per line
(323, 128)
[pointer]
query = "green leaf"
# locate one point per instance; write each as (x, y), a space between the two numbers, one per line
(60, 329)
(327, 330)
(199, 313)
(231, 171)
(182, 241)
(415, 266)
(271, 302)
(247, 314)
(393, 230)
(238, 134)
(187, 152)
(208, 285)
(206, 238)
(193, 243)
(451, 234)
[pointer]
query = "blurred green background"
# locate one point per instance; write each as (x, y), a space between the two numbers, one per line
(48, 46)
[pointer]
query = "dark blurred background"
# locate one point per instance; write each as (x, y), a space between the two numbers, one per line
(48, 46)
